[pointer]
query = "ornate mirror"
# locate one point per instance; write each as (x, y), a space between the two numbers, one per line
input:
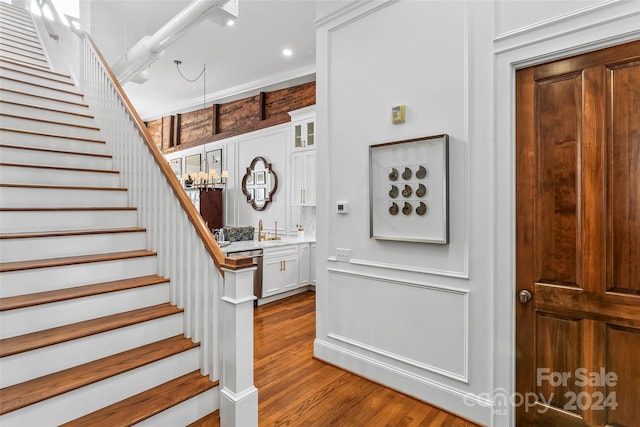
(260, 183)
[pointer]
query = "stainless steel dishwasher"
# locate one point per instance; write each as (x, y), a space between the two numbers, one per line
(256, 254)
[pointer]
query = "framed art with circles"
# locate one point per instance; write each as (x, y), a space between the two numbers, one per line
(409, 190)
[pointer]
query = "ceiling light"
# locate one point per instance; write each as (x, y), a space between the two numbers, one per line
(230, 23)
(287, 52)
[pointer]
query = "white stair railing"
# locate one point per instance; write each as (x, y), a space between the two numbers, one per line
(216, 292)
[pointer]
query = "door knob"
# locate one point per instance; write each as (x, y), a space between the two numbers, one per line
(524, 296)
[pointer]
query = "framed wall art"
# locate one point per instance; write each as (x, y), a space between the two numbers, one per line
(409, 190)
(192, 164)
(214, 161)
(176, 166)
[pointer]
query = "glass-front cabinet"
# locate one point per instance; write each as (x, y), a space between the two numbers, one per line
(303, 125)
(304, 134)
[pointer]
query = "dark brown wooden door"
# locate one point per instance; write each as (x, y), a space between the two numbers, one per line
(211, 207)
(578, 240)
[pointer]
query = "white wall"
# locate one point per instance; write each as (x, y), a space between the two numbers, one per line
(237, 154)
(434, 322)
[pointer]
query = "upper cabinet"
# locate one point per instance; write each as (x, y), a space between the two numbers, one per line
(303, 157)
(303, 166)
(303, 124)
(304, 134)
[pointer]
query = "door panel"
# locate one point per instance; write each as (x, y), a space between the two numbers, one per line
(559, 118)
(578, 239)
(624, 175)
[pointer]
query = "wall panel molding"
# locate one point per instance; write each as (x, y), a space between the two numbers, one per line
(566, 25)
(458, 311)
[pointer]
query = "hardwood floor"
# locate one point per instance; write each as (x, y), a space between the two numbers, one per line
(297, 390)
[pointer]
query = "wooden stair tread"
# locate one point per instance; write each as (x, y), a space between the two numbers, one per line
(53, 135)
(53, 110)
(38, 66)
(38, 234)
(51, 122)
(148, 403)
(48, 98)
(46, 75)
(63, 187)
(51, 150)
(98, 208)
(39, 339)
(62, 168)
(29, 392)
(30, 300)
(33, 58)
(29, 49)
(83, 259)
(39, 85)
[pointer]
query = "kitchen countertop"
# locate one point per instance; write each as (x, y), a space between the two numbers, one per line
(250, 245)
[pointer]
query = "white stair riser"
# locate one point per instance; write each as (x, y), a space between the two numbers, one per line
(26, 42)
(45, 103)
(39, 221)
(43, 361)
(28, 77)
(49, 158)
(19, 31)
(41, 91)
(36, 60)
(17, 197)
(44, 141)
(77, 403)
(52, 278)
(186, 412)
(15, 14)
(45, 127)
(17, 24)
(47, 316)
(21, 48)
(27, 249)
(31, 110)
(46, 176)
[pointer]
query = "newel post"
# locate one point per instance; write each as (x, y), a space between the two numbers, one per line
(239, 397)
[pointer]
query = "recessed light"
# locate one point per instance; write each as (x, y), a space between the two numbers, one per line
(230, 23)
(287, 52)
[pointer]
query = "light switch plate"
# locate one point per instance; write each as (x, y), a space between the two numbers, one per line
(343, 255)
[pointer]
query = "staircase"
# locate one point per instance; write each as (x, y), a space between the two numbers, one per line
(88, 335)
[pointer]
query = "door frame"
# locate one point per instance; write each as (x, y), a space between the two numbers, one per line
(597, 27)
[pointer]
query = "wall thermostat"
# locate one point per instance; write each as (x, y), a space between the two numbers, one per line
(398, 114)
(342, 207)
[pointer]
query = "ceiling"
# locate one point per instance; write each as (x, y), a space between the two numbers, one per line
(241, 60)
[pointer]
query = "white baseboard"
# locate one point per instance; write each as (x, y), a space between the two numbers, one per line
(436, 394)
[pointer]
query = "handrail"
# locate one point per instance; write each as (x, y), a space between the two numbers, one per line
(221, 261)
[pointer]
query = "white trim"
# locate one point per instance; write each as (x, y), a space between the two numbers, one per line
(464, 376)
(555, 29)
(555, 20)
(425, 389)
(405, 360)
(413, 269)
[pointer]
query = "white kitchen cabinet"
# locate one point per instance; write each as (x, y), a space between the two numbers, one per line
(279, 269)
(304, 178)
(303, 276)
(304, 134)
(303, 128)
